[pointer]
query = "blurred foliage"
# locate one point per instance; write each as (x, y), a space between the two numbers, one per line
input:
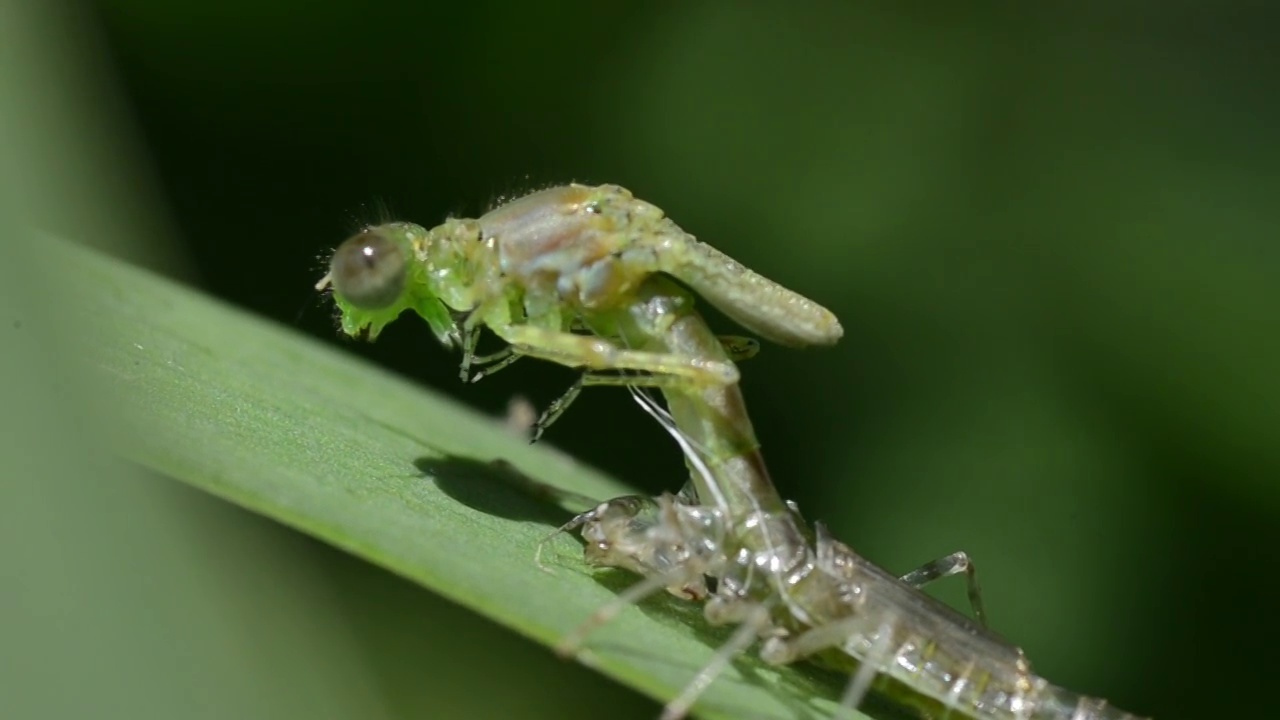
(1049, 233)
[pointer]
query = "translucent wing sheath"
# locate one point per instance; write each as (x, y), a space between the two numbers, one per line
(617, 241)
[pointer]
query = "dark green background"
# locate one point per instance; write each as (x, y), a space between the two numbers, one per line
(1048, 231)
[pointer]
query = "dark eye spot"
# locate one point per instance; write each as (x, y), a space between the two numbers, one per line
(368, 270)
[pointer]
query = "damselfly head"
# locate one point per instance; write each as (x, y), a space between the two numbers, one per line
(377, 274)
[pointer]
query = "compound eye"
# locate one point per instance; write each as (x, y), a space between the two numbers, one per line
(368, 270)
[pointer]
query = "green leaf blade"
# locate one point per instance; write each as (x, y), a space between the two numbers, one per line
(254, 412)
